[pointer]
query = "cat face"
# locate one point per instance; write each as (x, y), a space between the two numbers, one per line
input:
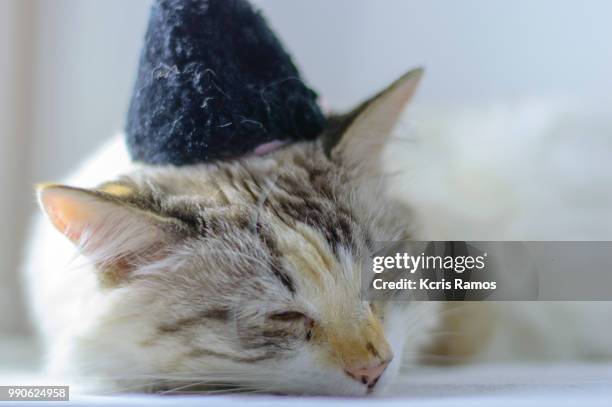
(246, 274)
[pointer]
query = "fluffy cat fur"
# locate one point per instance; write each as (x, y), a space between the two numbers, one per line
(243, 274)
(240, 274)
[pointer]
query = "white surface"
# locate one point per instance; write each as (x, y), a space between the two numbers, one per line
(499, 385)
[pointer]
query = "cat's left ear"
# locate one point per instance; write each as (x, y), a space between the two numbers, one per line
(357, 138)
(106, 226)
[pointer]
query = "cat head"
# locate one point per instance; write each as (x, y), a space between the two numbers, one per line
(246, 273)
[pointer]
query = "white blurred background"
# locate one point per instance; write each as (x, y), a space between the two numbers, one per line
(66, 71)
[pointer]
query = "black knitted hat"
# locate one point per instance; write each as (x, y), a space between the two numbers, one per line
(214, 82)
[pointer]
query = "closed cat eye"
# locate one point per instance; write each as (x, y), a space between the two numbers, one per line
(287, 316)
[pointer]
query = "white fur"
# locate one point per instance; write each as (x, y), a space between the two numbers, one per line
(529, 171)
(53, 261)
(55, 276)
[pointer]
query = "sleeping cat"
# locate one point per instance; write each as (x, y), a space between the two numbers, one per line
(244, 275)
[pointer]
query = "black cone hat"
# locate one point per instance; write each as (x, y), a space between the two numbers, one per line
(214, 83)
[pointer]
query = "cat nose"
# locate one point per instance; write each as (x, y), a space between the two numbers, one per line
(368, 374)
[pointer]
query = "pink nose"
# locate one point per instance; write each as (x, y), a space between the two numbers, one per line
(368, 375)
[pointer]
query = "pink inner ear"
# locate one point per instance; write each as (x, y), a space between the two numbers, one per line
(66, 216)
(268, 147)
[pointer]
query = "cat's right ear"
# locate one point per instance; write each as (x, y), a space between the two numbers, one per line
(357, 139)
(104, 225)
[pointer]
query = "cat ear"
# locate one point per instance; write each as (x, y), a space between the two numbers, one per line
(357, 139)
(104, 225)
